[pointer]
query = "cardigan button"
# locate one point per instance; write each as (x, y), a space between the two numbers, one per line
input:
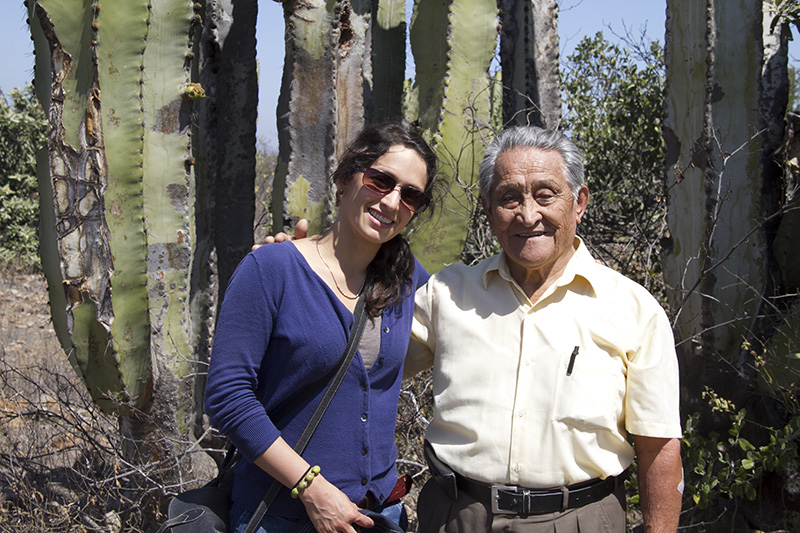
(363, 386)
(363, 451)
(364, 417)
(386, 329)
(363, 481)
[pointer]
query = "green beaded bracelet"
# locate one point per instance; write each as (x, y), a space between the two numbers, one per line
(305, 481)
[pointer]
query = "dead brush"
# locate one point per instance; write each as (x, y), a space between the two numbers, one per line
(60, 469)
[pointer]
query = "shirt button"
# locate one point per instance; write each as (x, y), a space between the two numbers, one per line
(363, 451)
(516, 468)
(386, 329)
(521, 413)
(364, 417)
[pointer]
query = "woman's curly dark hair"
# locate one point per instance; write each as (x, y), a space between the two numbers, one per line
(391, 270)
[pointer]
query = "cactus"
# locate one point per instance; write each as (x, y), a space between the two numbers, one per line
(324, 101)
(224, 141)
(307, 114)
(453, 45)
(79, 174)
(388, 60)
(118, 202)
(144, 217)
(529, 62)
(714, 113)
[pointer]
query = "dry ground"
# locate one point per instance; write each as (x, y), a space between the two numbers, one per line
(54, 448)
(26, 334)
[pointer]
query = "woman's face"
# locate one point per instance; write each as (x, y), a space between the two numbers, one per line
(378, 217)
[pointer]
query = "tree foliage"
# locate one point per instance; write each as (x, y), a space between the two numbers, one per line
(787, 13)
(614, 99)
(22, 132)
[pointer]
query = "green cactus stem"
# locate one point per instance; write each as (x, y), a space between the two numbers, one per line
(306, 114)
(388, 60)
(453, 45)
(117, 227)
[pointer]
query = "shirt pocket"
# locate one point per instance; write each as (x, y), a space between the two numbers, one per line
(592, 396)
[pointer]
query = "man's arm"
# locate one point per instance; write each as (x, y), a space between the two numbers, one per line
(660, 482)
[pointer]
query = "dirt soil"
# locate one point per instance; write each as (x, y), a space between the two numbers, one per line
(26, 332)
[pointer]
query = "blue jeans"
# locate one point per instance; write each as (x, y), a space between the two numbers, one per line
(394, 511)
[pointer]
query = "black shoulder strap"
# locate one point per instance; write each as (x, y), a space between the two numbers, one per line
(359, 316)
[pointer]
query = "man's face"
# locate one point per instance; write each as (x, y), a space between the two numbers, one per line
(533, 213)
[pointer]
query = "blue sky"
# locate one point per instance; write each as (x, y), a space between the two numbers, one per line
(576, 19)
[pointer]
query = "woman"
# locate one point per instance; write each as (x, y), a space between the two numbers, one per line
(284, 324)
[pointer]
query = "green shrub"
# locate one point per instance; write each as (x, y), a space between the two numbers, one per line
(23, 130)
(614, 104)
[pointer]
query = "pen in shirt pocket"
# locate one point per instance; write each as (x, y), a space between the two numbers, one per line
(572, 357)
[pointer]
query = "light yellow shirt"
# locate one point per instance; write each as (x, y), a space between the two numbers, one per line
(506, 410)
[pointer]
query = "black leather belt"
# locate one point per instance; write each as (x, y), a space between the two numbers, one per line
(508, 499)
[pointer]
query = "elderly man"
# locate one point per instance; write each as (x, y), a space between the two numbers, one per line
(543, 363)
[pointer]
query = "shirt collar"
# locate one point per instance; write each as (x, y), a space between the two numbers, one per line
(580, 264)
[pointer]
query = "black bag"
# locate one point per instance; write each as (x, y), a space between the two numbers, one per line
(204, 510)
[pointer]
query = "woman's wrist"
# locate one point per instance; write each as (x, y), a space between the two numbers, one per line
(303, 483)
(314, 490)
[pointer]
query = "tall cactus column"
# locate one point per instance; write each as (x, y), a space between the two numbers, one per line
(388, 60)
(529, 59)
(225, 146)
(453, 44)
(724, 120)
(322, 102)
(118, 202)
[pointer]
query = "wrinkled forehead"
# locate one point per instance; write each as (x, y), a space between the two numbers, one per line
(528, 165)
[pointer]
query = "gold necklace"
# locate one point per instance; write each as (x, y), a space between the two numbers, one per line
(356, 295)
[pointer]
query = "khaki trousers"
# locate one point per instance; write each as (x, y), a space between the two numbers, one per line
(437, 513)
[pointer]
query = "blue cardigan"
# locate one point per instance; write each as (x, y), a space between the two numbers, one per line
(280, 329)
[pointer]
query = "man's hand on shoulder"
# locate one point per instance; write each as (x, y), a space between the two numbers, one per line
(300, 232)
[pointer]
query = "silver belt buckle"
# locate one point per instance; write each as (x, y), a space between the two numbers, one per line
(495, 497)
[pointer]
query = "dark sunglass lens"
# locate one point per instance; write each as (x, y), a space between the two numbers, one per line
(378, 180)
(413, 198)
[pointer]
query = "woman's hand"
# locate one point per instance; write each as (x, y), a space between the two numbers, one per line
(330, 510)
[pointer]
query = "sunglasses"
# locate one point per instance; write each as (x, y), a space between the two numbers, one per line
(383, 184)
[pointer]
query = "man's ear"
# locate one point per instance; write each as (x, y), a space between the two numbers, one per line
(486, 209)
(583, 202)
